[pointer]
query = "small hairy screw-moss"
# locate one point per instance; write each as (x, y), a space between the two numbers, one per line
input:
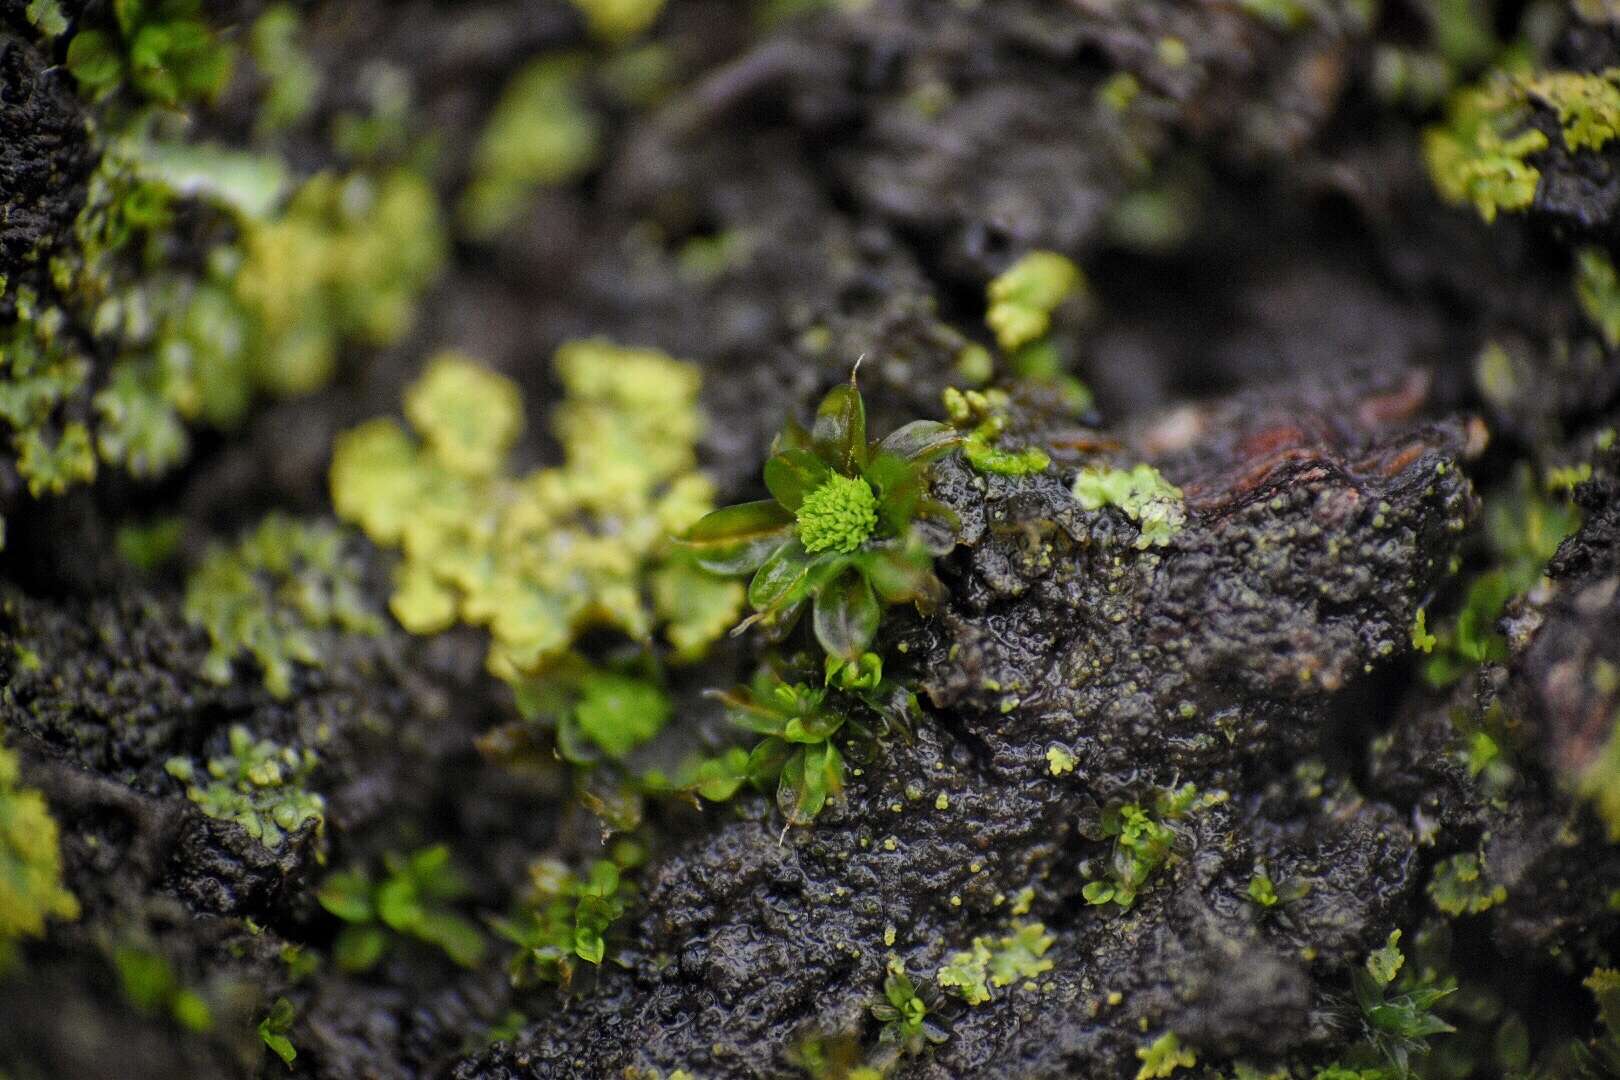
(1164, 1056)
(31, 888)
(258, 784)
(797, 757)
(1262, 891)
(1142, 843)
(271, 594)
(412, 900)
(1023, 297)
(840, 531)
(1145, 497)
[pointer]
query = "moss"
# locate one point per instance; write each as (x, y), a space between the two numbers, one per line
(907, 1012)
(256, 784)
(271, 595)
(1142, 843)
(1262, 891)
(1145, 497)
(31, 890)
(1383, 964)
(291, 76)
(1588, 105)
(838, 515)
(1023, 297)
(1164, 1056)
(541, 133)
(274, 1027)
(541, 558)
(983, 415)
(150, 984)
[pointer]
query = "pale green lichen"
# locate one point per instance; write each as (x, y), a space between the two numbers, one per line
(983, 415)
(542, 133)
(1146, 498)
(838, 515)
(1163, 1057)
(1000, 962)
(1588, 104)
(31, 890)
(1458, 886)
(271, 595)
(1383, 964)
(1023, 297)
(1477, 157)
(257, 784)
(540, 558)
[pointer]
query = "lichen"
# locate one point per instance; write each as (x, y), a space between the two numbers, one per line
(541, 558)
(257, 784)
(1020, 955)
(1478, 156)
(1163, 1056)
(1145, 497)
(31, 889)
(272, 594)
(1023, 297)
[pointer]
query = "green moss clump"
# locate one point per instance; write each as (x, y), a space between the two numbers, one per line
(272, 593)
(1477, 157)
(38, 374)
(908, 1012)
(30, 863)
(150, 984)
(541, 558)
(542, 133)
(1146, 498)
(257, 784)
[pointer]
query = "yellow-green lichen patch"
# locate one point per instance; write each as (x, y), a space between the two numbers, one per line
(983, 415)
(1000, 962)
(257, 784)
(542, 557)
(31, 888)
(1458, 886)
(271, 594)
(1146, 498)
(542, 133)
(1477, 157)
(1163, 1056)
(1023, 297)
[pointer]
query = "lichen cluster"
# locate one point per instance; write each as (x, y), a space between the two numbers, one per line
(31, 889)
(542, 557)
(256, 784)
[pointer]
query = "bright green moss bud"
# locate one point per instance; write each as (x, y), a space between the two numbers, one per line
(838, 516)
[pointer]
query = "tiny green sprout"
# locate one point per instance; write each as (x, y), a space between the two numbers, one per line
(258, 785)
(1457, 887)
(906, 1011)
(31, 888)
(1164, 1056)
(797, 754)
(839, 531)
(411, 901)
(162, 46)
(1262, 891)
(1145, 497)
(1023, 297)
(274, 1027)
(566, 918)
